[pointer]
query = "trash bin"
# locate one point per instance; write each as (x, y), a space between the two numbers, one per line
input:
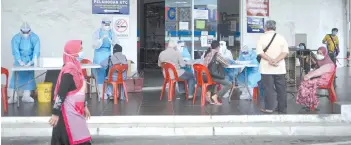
(44, 92)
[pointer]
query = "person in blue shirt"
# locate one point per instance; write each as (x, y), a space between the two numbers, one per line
(253, 76)
(25, 50)
(227, 54)
(103, 38)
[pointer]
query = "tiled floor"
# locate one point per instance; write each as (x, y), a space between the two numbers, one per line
(148, 103)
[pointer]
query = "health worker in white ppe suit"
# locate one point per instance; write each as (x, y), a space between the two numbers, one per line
(103, 40)
(25, 50)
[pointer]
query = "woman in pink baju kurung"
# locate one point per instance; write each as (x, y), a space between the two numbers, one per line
(70, 111)
(307, 91)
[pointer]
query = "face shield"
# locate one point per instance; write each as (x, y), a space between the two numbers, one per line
(106, 25)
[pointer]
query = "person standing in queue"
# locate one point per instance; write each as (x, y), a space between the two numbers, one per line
(25, 50)
(104, 38)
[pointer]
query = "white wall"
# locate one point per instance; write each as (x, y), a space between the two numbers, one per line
(313, 17)
(56, 21)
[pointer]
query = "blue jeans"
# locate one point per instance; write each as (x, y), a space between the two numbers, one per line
(189, 77)
(109, 89)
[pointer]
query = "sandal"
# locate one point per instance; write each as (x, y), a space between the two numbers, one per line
(215, 102)
(267, 111)
(209, 100)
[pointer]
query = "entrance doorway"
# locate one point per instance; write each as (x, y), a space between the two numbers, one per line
(195, 23)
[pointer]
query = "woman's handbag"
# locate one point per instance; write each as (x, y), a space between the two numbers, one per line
(215, 68)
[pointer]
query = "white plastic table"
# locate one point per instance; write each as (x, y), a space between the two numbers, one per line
(246, 83)
(16, 69)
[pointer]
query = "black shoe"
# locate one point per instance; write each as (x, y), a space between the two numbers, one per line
(279, 111)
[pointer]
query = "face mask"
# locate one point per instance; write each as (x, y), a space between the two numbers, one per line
(334, 32)
(106, 28)
(319, 57)
(25, 35)
(80, 56)
(302, 47)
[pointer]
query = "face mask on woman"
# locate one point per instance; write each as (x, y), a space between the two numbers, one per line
(319, 57)
(80, 56)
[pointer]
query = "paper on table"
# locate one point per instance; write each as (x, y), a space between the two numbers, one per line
(204, 41)
(183, 25)
(200, 24)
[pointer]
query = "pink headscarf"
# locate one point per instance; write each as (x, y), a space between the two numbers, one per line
(326, 59)
(71, 65)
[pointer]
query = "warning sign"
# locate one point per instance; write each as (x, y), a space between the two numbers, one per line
(121, 27)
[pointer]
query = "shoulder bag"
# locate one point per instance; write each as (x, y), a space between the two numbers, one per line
(265, 49)
(215, 68)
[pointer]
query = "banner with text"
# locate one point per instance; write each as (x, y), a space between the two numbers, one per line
(257, 8)
(110, 7)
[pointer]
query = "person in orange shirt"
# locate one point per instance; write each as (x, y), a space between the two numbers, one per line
(332, 42)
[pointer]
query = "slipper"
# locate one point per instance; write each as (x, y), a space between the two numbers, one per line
(218, 104)
(267, 111)
(209, 100)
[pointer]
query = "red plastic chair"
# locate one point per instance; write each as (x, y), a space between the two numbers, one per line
(330, 88)
(5, 72)
(167, 67)
(87, 77)
(120, 68)
(199, 71)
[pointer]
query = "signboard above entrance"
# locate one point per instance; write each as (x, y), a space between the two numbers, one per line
(110, 7)
(257, 8)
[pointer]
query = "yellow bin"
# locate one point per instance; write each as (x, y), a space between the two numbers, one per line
(44, 92)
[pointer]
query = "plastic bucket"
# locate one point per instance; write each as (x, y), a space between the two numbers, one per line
(44, 92)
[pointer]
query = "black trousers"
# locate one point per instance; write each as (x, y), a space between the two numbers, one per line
(274, 88)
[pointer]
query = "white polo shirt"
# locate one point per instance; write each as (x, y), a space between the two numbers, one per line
(278, 46)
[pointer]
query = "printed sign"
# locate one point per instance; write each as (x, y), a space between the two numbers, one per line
(171, 13)
(257, 8)
(121, 26)
(255, 25)
(110, 7)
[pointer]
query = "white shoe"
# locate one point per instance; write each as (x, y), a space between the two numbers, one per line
(27, 98)
(11, 99)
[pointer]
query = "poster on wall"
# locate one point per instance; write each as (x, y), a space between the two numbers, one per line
(255, 25)
(257, 8)
(121, 27)
(171, 13)
(110, 7)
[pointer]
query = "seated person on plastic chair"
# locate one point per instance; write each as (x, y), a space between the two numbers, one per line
(116, 58)
(172, 55)
(306, 94)
(253, 76)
